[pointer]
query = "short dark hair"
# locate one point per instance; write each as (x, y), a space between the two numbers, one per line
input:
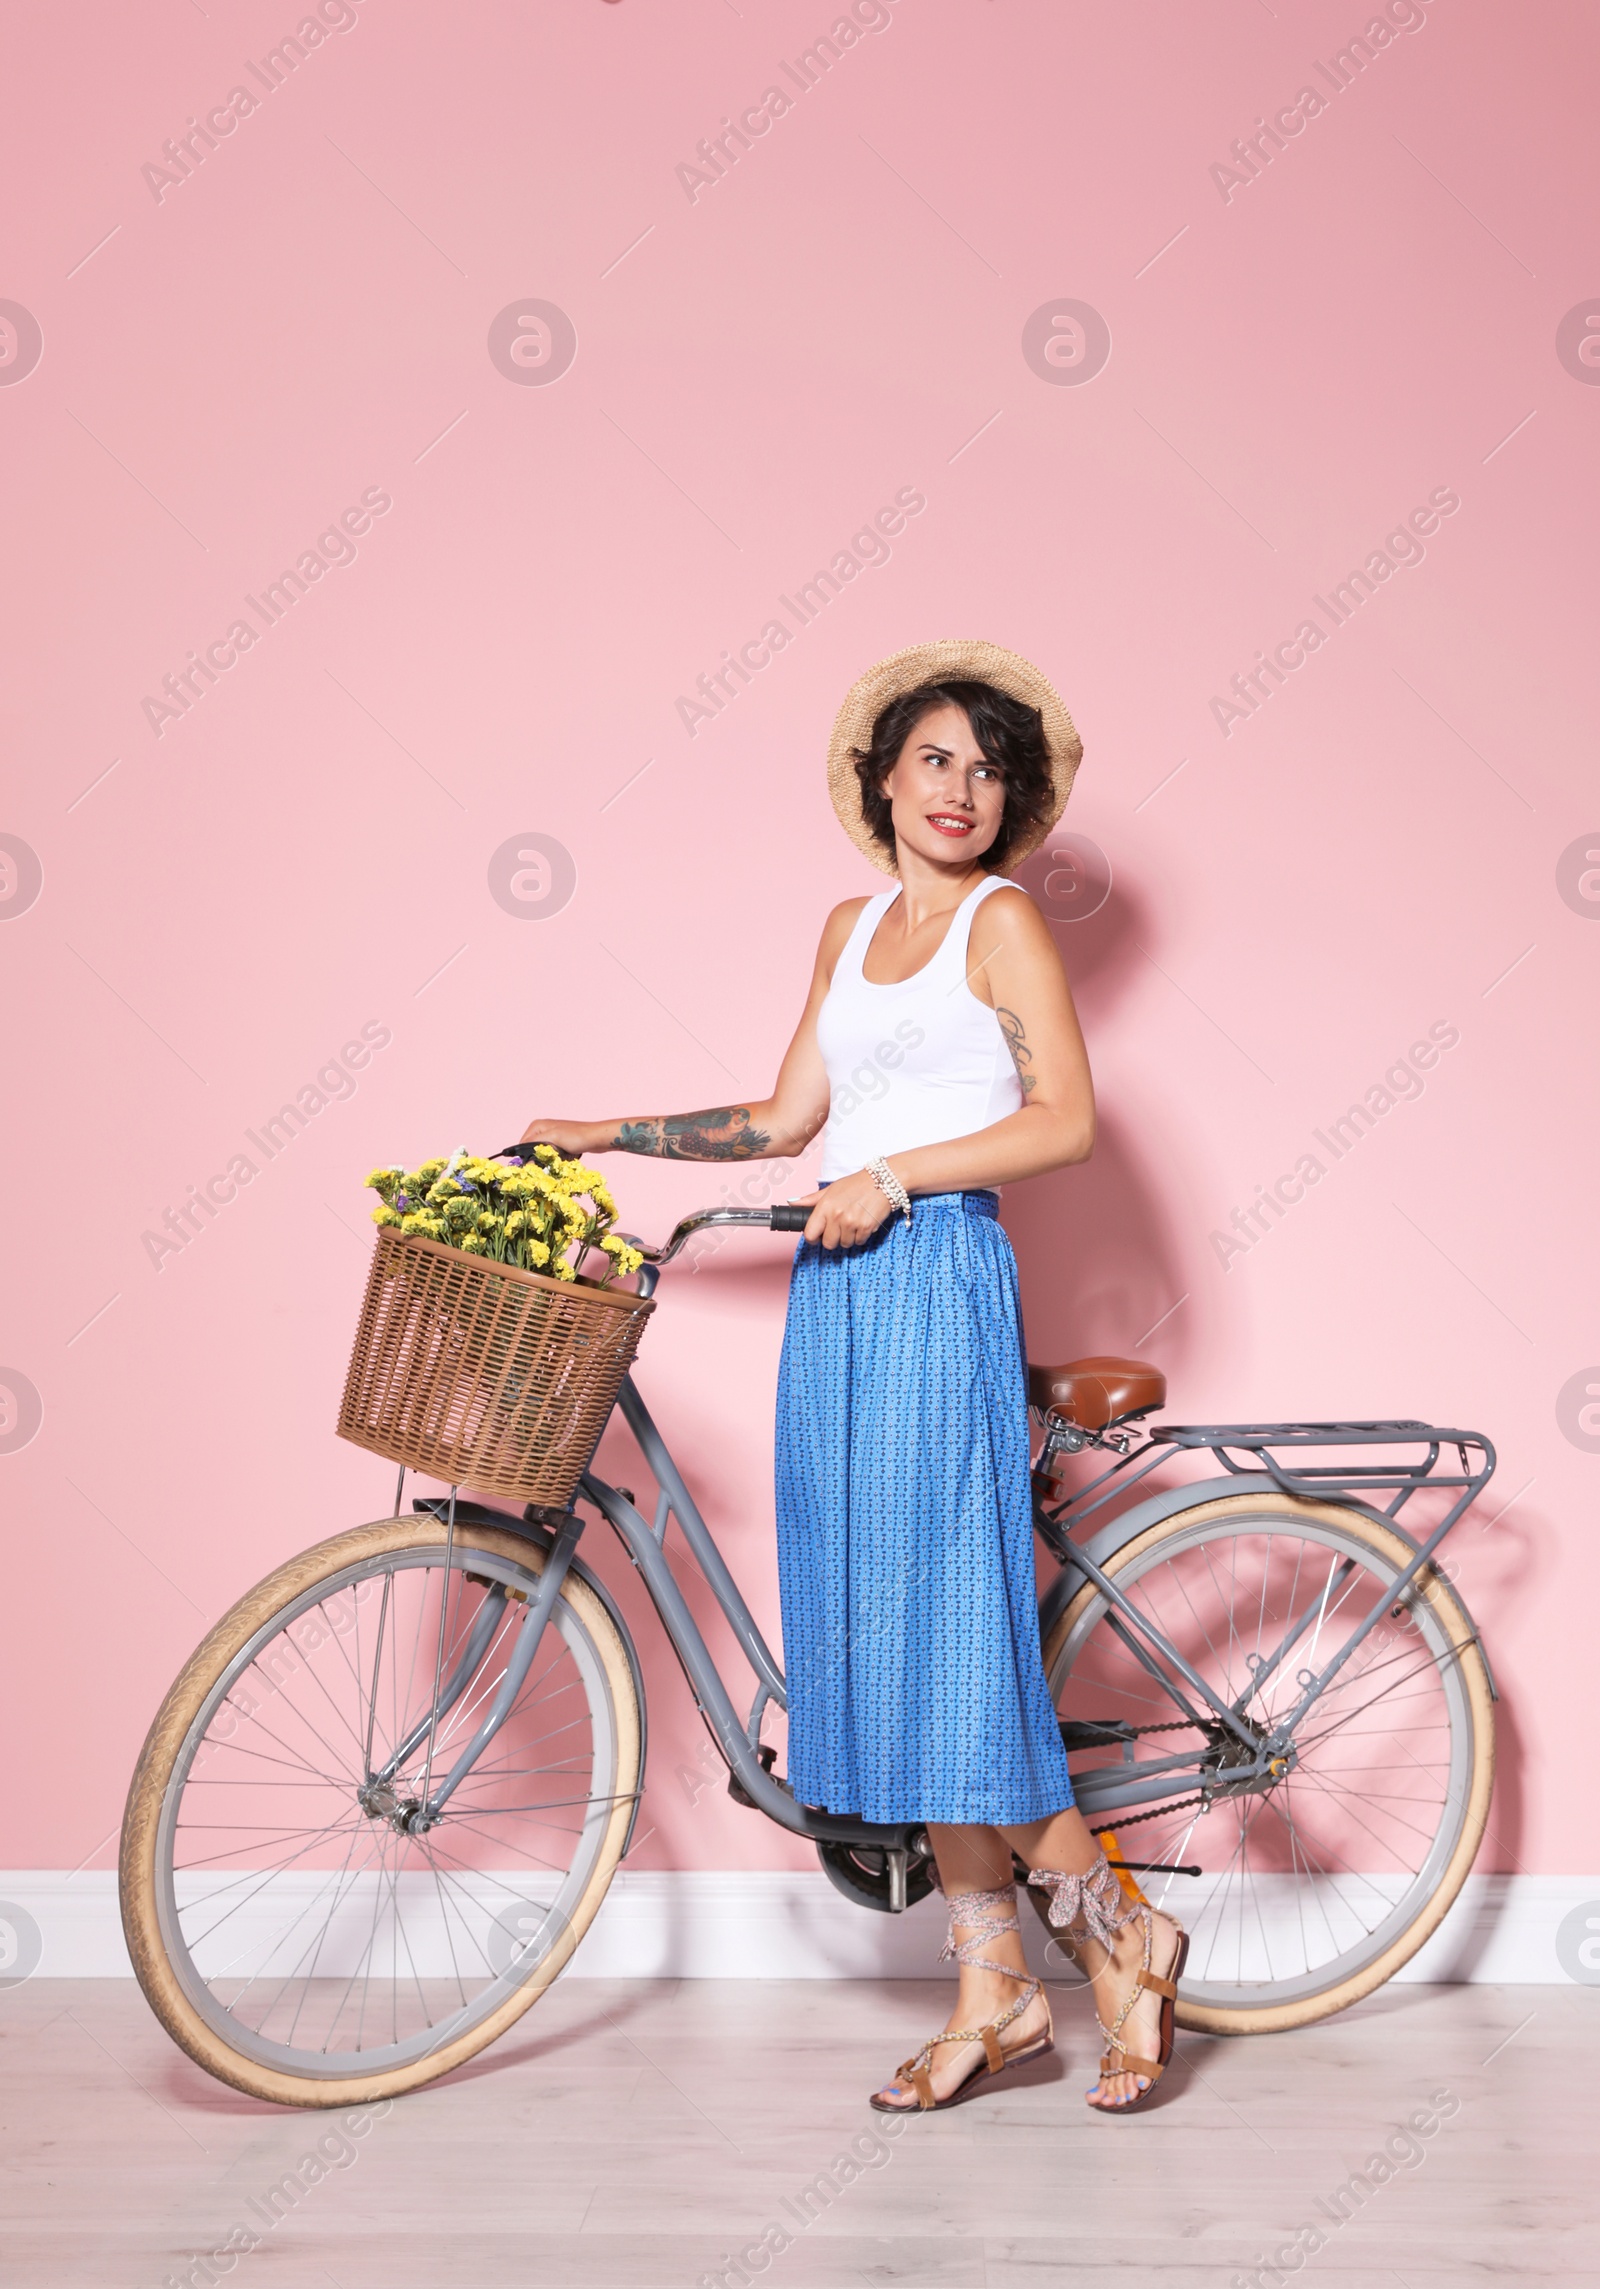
(1010, 734)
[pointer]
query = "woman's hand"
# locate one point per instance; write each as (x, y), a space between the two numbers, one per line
(574, 1138)
(845, 1212)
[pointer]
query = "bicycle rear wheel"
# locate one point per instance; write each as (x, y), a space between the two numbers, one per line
(290, 1930)
(1313, 1888)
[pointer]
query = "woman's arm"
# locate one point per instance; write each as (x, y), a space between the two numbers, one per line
(776, 1128)
(1013, 965)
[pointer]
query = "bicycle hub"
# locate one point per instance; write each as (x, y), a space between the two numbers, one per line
(406, 1815)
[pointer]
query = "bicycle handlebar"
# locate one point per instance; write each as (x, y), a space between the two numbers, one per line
(785, 1217)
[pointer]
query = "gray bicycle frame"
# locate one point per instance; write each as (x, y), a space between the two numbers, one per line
(1103, 1790)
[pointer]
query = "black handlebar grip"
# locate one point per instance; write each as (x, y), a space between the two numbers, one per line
(788, 1218)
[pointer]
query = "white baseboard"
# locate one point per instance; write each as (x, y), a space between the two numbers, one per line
(794, 1925)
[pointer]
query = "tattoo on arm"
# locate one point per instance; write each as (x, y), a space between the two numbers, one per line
(1016, 1041)
(722, 1132)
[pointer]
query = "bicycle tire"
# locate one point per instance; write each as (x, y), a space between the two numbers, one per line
(1442, 1622)
(172, 1984)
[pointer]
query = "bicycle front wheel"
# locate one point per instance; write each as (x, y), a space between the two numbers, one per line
(1312, 1888)
(294, 1928)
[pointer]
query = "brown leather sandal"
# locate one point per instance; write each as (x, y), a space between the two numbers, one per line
(1146, 1982)
(1094, 1906)
(993, 1913)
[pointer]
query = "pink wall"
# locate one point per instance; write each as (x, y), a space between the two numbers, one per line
(1298, 361)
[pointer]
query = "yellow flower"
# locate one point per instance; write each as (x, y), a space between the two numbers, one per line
(544, 1214)
(624, 1260)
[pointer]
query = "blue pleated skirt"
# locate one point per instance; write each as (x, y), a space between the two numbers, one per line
(905, 1535)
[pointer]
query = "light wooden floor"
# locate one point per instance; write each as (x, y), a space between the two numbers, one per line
(632, 2135)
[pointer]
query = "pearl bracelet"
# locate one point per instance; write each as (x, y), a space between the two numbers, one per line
(883, 1176)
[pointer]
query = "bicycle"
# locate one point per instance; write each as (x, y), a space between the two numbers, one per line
(333, 1890)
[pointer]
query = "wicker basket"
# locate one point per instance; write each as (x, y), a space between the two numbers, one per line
(483, 1375)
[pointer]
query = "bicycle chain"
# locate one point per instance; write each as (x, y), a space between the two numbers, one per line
(1179, 1804)
(1162, 1811)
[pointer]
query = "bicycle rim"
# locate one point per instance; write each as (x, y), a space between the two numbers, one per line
(1311, 1890)
(310, 1932)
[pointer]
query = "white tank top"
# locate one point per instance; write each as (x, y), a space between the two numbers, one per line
(915, 1063)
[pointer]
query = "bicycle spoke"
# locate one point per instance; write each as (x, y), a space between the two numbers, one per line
(316, 1676)
(340, 1889)
(289, 1754)
(1325, 1881)
(1315, 1740)
(235, 1748)
(312, 1844)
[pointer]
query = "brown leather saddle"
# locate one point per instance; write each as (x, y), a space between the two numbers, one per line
(1093, 1393)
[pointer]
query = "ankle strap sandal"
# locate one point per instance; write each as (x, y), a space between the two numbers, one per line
(988, 1916)
(1093, 1905)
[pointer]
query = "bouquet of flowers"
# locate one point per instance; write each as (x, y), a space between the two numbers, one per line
(540, 1218)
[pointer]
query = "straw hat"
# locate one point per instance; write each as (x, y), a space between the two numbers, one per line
(951, 660)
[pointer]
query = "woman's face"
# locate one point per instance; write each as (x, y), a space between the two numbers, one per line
(946, 799)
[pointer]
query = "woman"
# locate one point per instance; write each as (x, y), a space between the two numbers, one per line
(940, 1047)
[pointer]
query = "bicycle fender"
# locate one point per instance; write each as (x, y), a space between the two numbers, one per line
(484, 1514)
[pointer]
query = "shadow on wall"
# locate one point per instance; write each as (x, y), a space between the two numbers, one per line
(1098, 1257)
(1101, 1272)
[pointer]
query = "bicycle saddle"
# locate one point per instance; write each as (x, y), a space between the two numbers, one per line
(1098, 1391)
